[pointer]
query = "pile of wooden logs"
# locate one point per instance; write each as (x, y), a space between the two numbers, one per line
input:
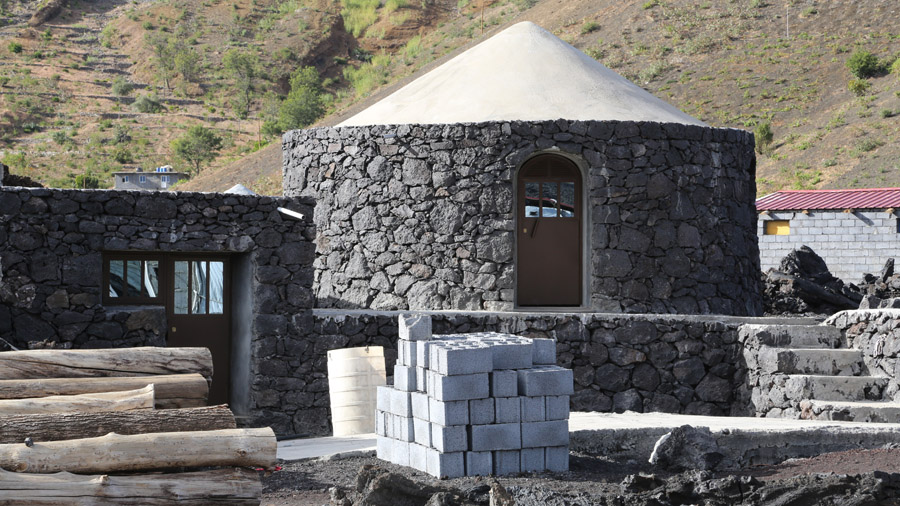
(69, 417)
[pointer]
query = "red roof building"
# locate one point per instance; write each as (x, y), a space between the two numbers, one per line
(807, 200)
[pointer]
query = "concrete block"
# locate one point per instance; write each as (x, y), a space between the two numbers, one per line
(379, 422)
(444, 465)
(458, 388)
(422, 355)
(404, 378)
(500, 436)
(415, 327)
(545, 380)
(480, 463)
(404, 428)
(449, 439)
(383, 398)
(418, 457)
(507, 410)
(556, 458)
(400, 452)
(532, 460)
(420, 379)
(504, 383)
(419, 405)
(406, 353)
(389, 425)
(453, 359)
(422, 432)
(448, 413)
(557, 407)
(400, 403)
(506, 462)
(383, 448)
(533, 409)
(544, 351)
(481, 411)
(538, 434)
(511, 352)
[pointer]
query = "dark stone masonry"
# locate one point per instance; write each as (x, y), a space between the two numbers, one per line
(51, 248)
(421, 216)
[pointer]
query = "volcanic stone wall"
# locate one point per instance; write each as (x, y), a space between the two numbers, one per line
(51, 244)
(876, 332)
(643, 363)
(421, 216)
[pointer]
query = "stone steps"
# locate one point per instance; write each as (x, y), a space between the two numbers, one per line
(834, 388)
(856, 411)
(825, 362)
(797, 336)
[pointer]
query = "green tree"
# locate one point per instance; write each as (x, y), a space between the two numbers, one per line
(187, 63)
(764, 136)
(198, 146)
(164, 55)
(305, 103)
(88, 180)
(243, 67)
(864, 64)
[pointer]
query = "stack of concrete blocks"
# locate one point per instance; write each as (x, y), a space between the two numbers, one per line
(474, 404)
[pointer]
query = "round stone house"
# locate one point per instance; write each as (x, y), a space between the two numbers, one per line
(524, 175)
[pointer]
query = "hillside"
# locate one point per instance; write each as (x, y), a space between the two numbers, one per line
(729, 63)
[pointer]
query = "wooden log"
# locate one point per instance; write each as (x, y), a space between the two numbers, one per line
(140, 452)
(15, 428)
(172, 390)
(125, 400)
(220, 486)
(140, 361)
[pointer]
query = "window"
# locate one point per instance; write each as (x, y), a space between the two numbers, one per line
(165, 179)
(124, 179)
(143, 179)
(550, 199)
(777, 227)
(199, 287)
(131, 279)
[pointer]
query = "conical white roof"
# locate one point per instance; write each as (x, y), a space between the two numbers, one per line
(522, 73)
(240, 189)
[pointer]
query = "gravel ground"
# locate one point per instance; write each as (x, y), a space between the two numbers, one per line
(843, 478)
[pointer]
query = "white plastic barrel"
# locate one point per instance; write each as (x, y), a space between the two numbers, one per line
(353, 374)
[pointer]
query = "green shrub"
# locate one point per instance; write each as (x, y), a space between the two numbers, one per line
(590, 26)
(887, 113)
(649, 4)
(14, 47)
(147, 104)
(87, 181)
(858, 87)
(895, 68)
(122, 134)
(524, 4)
(359, 15)
(413, 48)
(123, 155)
(121, 87)
(146, 25)
(3, 81)
(864, 64)
(60, 137)
(764, 136)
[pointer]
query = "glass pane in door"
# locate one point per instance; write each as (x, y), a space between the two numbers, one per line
(151, 278)
(532, 199)
(216, 287)
(133, 278)
(181, 287)
(116, 278)
(567, 200)
(199, 286)
(548, 199)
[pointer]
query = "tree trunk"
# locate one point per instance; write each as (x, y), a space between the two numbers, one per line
(139, 452)
(221, 486)
(33, 364)
(172, 391)
(55, 427)
(127, 400)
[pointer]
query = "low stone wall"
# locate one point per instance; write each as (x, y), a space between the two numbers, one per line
(877, 333)
(673, 364)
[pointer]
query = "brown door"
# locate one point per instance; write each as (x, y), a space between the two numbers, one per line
(198, 311)
(548, 270)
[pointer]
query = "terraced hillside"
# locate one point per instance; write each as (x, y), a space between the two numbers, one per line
(733, 63)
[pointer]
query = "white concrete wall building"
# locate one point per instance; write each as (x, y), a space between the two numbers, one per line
(854, 231)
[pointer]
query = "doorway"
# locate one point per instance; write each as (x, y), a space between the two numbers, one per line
(548, 232)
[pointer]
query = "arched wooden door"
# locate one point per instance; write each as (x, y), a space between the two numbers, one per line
(548, 218)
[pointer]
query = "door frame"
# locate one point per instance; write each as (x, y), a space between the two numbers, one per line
(586, 226)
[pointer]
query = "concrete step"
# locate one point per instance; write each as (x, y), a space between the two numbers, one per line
(796, 336)
(826, 362)
(834, 388)
(851, 411)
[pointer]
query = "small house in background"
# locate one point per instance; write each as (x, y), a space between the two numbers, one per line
(854, 231)
(161, 178)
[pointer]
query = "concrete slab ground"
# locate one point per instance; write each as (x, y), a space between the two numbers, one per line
(747, 441)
